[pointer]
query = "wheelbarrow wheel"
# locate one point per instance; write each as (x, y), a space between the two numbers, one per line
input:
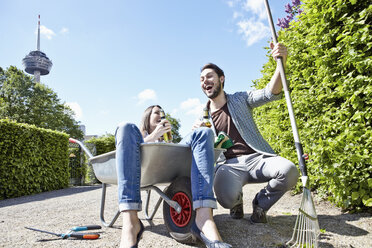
(178, 224)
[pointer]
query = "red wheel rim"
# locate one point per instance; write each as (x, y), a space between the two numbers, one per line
(183, 218)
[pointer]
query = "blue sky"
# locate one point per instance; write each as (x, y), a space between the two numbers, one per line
(112, 59)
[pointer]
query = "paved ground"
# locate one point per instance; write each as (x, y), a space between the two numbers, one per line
(57, 211)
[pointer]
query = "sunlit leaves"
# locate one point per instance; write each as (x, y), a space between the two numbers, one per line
(23, 100)
(33, 160)
(329, 70)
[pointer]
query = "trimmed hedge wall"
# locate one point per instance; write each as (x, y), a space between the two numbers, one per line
(32, 160)
(329, 70)
(103, 144)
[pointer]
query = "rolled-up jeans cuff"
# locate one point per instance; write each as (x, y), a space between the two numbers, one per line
(208, 203)
(130, 206)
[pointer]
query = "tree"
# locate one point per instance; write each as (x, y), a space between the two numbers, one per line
(23, 100)
(329, 69)
(175, 127)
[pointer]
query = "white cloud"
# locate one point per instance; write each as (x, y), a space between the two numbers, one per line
(64, 30)
(231, 3)
(147, 94)
(48, 33)
(76, 108)
(249, 17)
(257, 7)
(192, 106)
(252, 30)
(174, 112)
(237, 14)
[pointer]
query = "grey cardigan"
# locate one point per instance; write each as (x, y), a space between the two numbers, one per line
(240, 105)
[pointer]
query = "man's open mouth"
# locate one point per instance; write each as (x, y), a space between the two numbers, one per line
(209, 87)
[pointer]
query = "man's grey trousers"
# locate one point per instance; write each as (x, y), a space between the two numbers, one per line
(279, 173)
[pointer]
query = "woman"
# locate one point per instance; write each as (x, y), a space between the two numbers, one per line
(128, 140)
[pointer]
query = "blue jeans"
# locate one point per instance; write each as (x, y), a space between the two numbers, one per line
(128, 166)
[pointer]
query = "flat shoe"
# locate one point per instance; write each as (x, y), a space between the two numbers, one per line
(139, 235)
(208, 243)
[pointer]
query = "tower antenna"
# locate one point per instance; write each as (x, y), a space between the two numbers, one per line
(38, 35)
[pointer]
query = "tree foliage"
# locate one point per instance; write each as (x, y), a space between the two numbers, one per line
(102, 144)
(329, 70)
(175, 128)
(24, 101)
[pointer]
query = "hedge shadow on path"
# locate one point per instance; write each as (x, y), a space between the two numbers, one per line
(338, 224)
(279, 229)
(47, 195)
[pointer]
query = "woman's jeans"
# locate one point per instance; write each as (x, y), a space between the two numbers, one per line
(128, 139)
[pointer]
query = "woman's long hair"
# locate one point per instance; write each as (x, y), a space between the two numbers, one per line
(145, 123)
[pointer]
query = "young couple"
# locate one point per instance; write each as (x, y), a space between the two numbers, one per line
(250, 160)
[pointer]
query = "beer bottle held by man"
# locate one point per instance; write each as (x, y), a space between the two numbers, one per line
(206, 121)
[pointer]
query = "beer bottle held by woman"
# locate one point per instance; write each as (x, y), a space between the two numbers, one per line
(168, 135)
(206, 121)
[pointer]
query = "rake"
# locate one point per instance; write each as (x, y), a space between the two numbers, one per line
(306, 230)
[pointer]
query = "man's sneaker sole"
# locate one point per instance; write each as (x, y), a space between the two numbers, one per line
(237, 212)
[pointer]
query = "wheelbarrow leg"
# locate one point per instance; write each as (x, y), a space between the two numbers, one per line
(103, 199)
(148, 191)
(163, 196)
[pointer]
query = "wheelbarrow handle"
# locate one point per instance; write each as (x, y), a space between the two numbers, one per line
(86, 150)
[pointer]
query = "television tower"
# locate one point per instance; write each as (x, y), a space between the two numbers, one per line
(36, 62)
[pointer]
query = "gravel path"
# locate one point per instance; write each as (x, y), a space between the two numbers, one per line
(58, 211)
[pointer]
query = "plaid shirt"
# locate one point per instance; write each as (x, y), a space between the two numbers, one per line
(240, 105)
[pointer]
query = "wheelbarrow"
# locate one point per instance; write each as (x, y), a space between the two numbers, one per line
(162, 164)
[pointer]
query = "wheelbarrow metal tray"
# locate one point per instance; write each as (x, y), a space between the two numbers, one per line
(161, 163)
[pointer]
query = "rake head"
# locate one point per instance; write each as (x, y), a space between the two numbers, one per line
(306, 230)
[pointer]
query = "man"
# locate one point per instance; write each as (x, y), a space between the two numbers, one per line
(251, 159)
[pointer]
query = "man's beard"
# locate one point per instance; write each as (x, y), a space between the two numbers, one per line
(215, 93)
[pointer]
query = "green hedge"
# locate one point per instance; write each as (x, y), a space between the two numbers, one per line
(329, 70)
(103, 144)
(77, 165)
(32, 160)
